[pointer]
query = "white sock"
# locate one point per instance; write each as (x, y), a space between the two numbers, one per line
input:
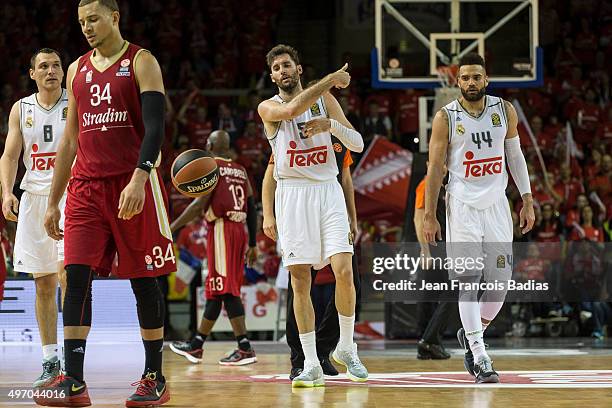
(470, 319)
(347, 326)
(49, 351)
(477, 345)
(309, 346)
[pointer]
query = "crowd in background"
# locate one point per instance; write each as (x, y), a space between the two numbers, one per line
(204, 46)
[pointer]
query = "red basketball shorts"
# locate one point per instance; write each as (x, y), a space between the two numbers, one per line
(225, 250)
(93, 232)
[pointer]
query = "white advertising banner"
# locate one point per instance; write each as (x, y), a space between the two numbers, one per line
(260, 307)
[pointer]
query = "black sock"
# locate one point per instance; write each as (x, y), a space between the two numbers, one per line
(74, 354)
(153, 356)
(198, 340)
(243, 342)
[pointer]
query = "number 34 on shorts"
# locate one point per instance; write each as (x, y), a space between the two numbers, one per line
(159, 256)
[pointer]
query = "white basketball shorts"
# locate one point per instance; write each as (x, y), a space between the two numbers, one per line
(473, 233)
(312, 221)
(35, 252)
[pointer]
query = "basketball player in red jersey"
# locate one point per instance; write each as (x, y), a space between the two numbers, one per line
(227, 208)
(116, 203)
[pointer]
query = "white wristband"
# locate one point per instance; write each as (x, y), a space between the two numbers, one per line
(517, 164)
(349, 137)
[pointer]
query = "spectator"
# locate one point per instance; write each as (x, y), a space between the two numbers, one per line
(573, 215)
(351, 115)
(250, 114)
(573, 86)
(198, 127)
(594, 164)
(604, 130)
(549, 228)
(383, 102)
(586, 117)
(586, 230)
(566, 59)
(376, 123)
(352, 99)
(252, 147)
(228, 121)
(568, 187)
(533, 267)
(407, 117)
(601, 183)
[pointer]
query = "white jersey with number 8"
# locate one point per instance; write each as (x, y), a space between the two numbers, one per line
(42, 130)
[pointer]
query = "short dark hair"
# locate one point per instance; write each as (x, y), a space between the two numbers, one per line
(472, 58)
(109, 4)
(281, 49)
(43, 51)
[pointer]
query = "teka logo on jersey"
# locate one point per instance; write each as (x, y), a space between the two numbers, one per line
(481, 167)
(308, 157)
(42, 161)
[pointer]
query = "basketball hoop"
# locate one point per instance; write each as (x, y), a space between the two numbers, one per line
(448, 91)
(447, 74)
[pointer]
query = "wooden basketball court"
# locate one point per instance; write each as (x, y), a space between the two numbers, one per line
(567, 374)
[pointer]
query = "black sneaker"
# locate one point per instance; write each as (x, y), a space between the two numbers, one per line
(184, 348)
(295, 371)
(63, 391)
(151, 391)
(430, 351)
(328, 367)
(484, 372)
(239, 358)
(468, 359)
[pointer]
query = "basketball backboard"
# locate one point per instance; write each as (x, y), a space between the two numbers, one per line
(414, 37)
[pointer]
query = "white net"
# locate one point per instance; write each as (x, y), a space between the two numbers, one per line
(449, 90)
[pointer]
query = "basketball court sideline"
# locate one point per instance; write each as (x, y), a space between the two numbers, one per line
(563, 373)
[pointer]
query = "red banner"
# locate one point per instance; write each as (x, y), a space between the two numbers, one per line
(381, 181)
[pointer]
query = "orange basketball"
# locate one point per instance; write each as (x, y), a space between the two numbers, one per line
(195, 173)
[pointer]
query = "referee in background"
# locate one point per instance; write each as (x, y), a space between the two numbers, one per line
(430, 345)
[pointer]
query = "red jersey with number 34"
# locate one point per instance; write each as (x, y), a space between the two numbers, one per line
(109, 114)
(230, 194)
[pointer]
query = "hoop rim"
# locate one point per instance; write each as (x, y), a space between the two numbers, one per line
(447, 74)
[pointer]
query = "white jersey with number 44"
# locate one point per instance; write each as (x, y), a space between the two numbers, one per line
(42, 130)
(476, 159)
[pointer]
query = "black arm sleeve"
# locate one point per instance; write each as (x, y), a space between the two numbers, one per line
(153, 106)
(251, 221)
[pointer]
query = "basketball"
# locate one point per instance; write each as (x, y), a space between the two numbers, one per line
(195, 173)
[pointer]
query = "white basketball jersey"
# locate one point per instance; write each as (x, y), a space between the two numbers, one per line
(476, 159)
(42, 131)
(295, 156)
